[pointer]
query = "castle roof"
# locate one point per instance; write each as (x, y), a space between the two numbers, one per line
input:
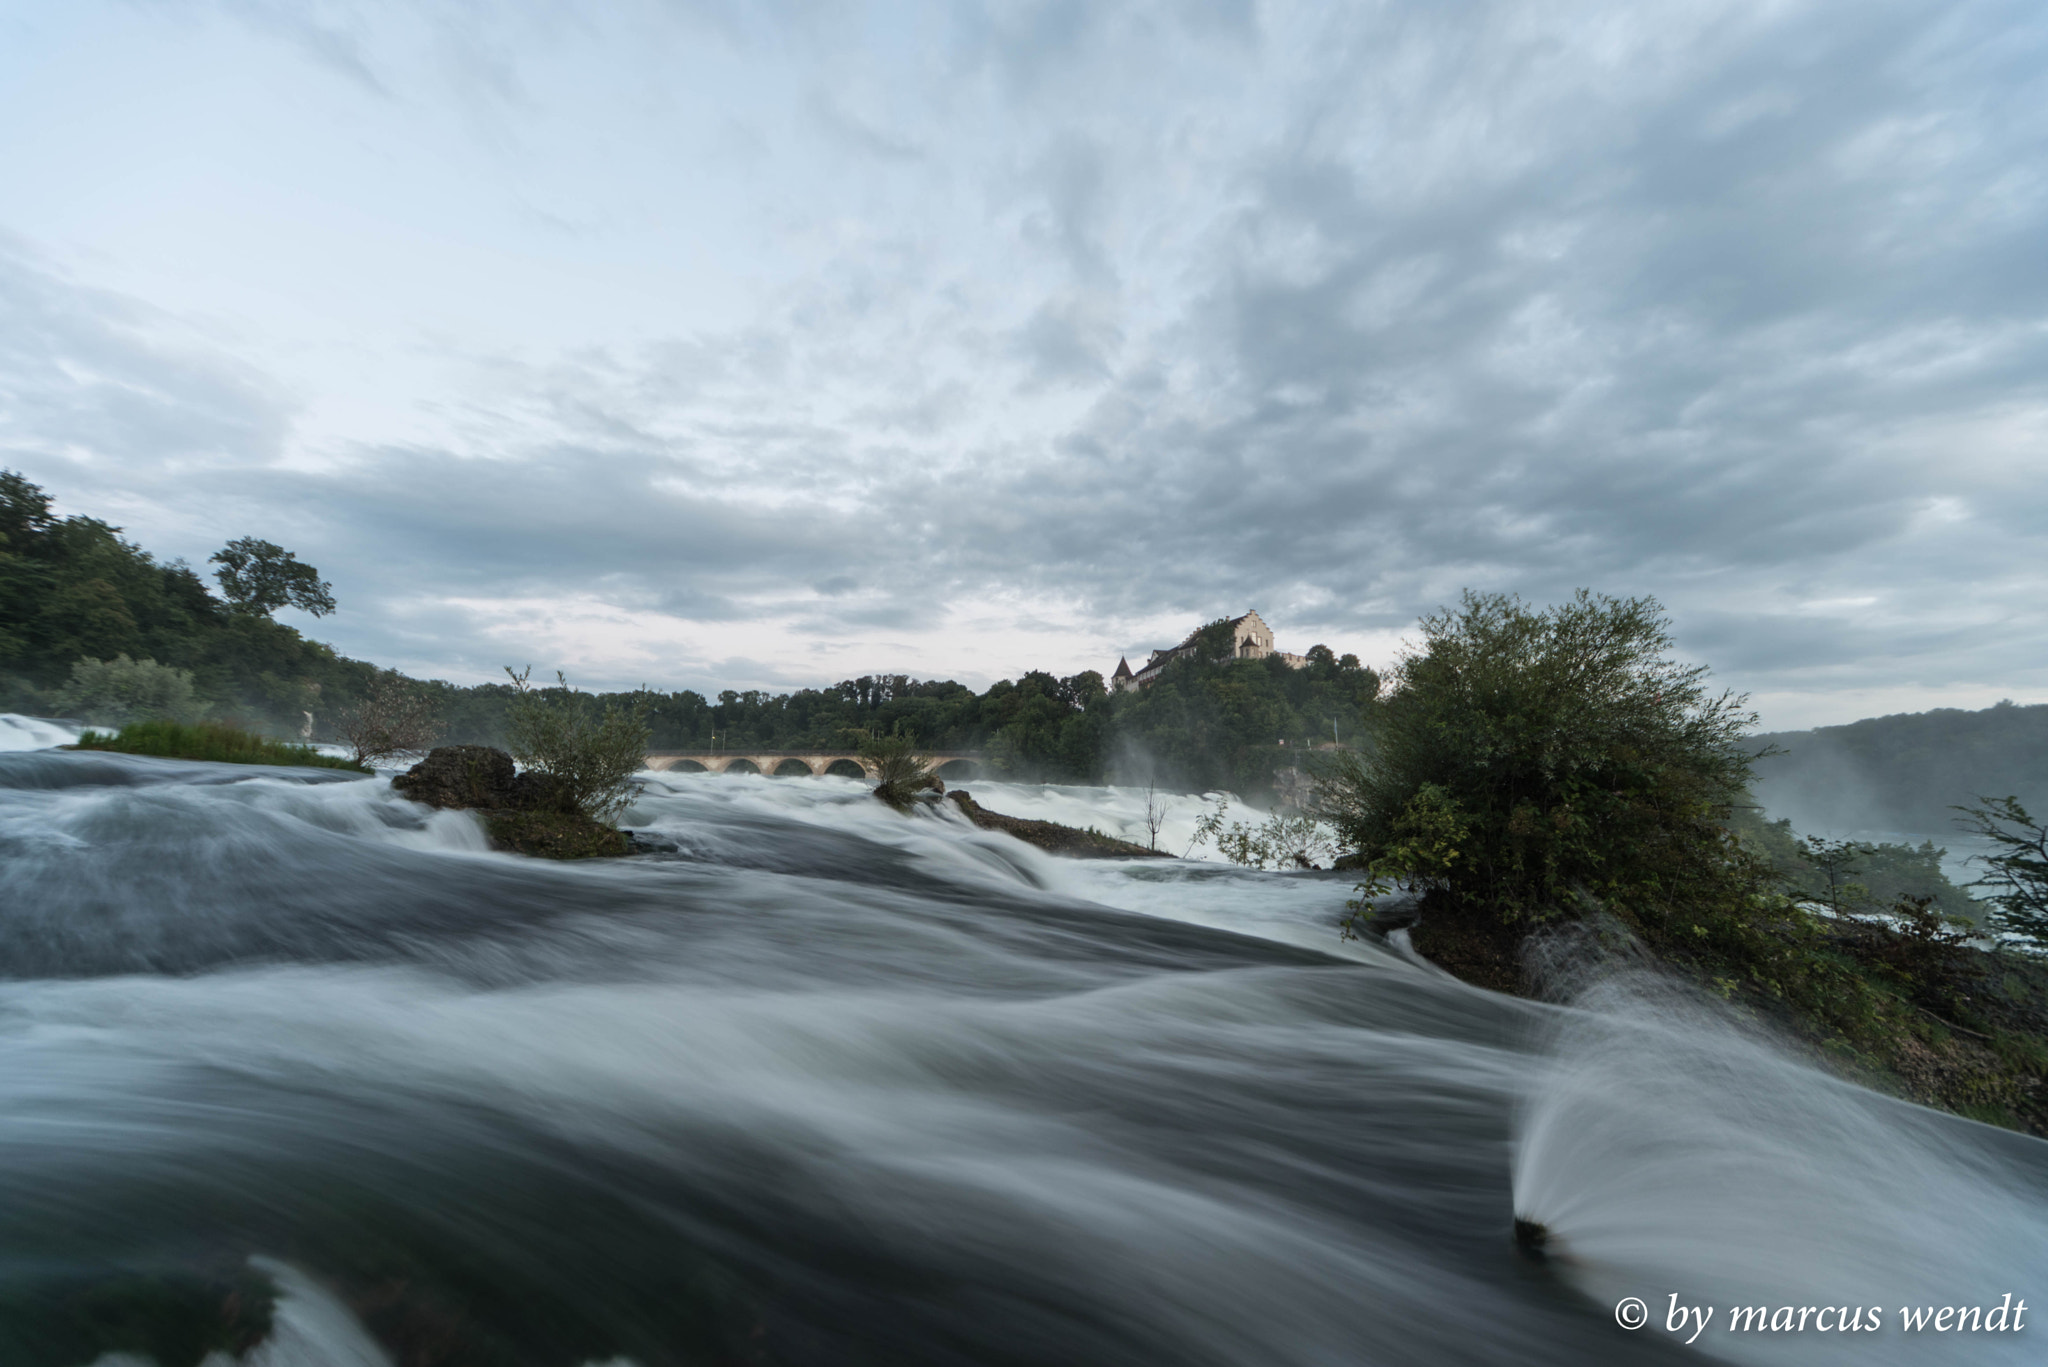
(1123, 668)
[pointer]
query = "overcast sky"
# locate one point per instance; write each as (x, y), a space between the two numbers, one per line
(714, 344)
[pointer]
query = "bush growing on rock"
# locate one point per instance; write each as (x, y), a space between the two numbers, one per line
(1528, 763)
(1552, 780)
(592, 753)
(900, 773)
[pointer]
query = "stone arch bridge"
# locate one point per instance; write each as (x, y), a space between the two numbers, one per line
(951, 766)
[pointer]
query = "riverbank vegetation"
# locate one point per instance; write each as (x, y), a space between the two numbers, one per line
(212, 741)
(74, 591)
(1547, 776)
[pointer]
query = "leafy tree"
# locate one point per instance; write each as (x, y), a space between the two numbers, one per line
(1527, 761)
(259, 578)
(1282, 840)
(117, 691)
(24, 511)
(2019, 873)
(1888, 874)
(1837, 862)
(396, 719)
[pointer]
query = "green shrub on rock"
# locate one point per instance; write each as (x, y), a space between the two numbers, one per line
(591, 753)
(1527, 763)
(900, 773)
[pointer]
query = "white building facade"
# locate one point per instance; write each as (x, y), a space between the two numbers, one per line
(1251, 639)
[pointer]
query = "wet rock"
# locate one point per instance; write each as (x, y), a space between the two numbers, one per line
(1050, 836)
(524, 813)
(462, 776)
(554, 835)
(532, 792)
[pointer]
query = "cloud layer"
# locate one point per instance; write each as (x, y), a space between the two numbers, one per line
(736, 347)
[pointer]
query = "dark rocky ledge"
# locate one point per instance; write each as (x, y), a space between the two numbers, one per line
(1050, 836)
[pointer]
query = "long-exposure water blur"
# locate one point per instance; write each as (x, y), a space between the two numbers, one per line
(817, 1082)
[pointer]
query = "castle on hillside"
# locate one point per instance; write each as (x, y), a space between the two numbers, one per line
(1253, 641)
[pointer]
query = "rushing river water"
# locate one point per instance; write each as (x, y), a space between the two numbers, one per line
(829, 1085)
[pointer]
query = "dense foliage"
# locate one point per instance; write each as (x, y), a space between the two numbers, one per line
(1851, 875)
(111, 692)
(1550, 779)
(259, 577)
(1528, 763)
(72, 589)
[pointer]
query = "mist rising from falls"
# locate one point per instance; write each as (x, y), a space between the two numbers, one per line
(827, 1084)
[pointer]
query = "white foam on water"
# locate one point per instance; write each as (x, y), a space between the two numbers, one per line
(310, 1326)
(973, 1055)
(34, 733)
(1670, 1150)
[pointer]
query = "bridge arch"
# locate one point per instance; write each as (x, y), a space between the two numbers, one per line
(795, 763)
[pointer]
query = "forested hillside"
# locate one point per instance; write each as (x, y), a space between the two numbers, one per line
(1905, 772)
(73, 589)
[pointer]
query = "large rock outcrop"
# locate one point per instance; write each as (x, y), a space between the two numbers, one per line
(524, 813)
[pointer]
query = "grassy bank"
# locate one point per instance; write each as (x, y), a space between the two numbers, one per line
(213, 741)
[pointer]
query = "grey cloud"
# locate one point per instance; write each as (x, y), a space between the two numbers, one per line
(1728, 307)
(338, 46)
(1071, 339)
(1072, 176)
(89, 375)
(860, 134)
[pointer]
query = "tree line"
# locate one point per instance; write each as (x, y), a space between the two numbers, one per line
(94, 626)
